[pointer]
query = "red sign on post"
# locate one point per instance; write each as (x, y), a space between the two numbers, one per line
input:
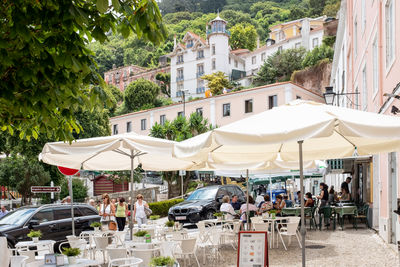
(45, 189)
(67, 171)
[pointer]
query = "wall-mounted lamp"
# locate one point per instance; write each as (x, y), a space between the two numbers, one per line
(395, 110)
(330, 95)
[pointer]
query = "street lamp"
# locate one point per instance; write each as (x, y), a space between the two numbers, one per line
(330, 95)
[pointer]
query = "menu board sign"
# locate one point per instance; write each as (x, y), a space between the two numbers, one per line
(253, 249)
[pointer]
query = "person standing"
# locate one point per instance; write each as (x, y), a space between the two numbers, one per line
(121, 213)
(345, 184)
(107, 210)
(3, 212)
(138, 210)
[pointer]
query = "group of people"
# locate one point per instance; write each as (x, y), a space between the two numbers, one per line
(330, 196)
(117, 210)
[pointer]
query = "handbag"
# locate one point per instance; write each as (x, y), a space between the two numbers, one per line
(112, 226)
(147, 211)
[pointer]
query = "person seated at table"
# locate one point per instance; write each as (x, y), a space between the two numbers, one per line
(345, 196)
(298, 197)
(288, 202)
(227, 208)
(266, 205)
(259, 200)
(252, 210)
(309, 201)
(279, 204)
(332, 197)
(235, 202)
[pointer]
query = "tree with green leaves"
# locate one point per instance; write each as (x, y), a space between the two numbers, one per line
(79, 190)
(141, 94)
(216, 82)
(317, 54)
(165, 83)
(331, 8)
(243, 36)
(46, 71)
(279, 66)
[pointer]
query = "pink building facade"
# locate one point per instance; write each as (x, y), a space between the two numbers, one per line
(367, 63)
(219, 110)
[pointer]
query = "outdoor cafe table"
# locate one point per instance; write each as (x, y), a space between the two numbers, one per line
(346, 210)
(295, 211)
(40, 244)
(80, 262)
(214, 222)
(273, 222)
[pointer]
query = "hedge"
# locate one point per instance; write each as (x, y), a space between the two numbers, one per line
(161, 208)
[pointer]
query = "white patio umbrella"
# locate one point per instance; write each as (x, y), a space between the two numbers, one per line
(300, 130)
(113, 153)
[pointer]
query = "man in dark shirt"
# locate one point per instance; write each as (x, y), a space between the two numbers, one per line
(345, 184)
(235, 202)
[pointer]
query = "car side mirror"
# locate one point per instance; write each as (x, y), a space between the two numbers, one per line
(33, 223)
(219, 198)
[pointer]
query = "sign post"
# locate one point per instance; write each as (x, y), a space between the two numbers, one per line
(69, 173)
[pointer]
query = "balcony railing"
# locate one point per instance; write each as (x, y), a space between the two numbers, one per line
(179, 78)
(199, 74)
(179, 62)
(217, 31)
(200, 90)
(200, 56)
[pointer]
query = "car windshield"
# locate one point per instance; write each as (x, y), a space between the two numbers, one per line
(17, 217)
(204, 193)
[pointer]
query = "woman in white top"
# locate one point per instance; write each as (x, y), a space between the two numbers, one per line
(227, 208)
(138, 210)
(107, 210)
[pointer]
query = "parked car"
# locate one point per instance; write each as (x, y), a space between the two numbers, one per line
(203, 203)
(53, 220)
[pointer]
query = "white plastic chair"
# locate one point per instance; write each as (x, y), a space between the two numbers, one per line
(119, 237)
(101, 245)
(125, 262)
(117, 253)
(167, 248)
(289, 229)
(187, 247)
(18, 261)
(232, 234)
(145, 254)
(260, 226)
(3, 247)
(203, 233)
(256, 219)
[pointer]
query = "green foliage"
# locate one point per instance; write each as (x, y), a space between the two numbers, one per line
(71, 252)
(165, 82)
(162, 261)
(243, 36)
(34, 233)
(329, 40)
(154, 217)
(217, 81)
(46, 68)
(79, 190)
(169, 223)
(161, 207)
(95, 224)
(316, 7)
(140, 233)
(318, 53)
(217, 214)
(280, 66)
(331, 8)
(193, 186)
(141, 94)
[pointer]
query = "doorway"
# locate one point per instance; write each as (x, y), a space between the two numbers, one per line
(393, 195)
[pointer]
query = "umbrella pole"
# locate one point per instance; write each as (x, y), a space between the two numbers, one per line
(303, 227)
(132, 195)
(72, 205)
(247, 200)
(270, 187)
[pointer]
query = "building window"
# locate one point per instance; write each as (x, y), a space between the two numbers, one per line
(356, 101)
(363, 17)
(272, 101)
(226, 110)
(200, 90)
(364, 89)
(179, 74)
(200, 70)
(213, 64)
(355, 38)
(314, 42)
(109, 78)
(143, 124)
(189, 44)
(180, 113)
(375, 65)
(179, 59)
(163, 118)
(128, 126)
(115, 129)
(213, 49)
(236, 63)
(297, 45)
(280, 49)
(262, 57)
(200, 54)
(199, 111)
(248, 106)
(390, 34)
(253, 60)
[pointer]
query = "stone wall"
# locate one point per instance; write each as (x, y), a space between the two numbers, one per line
(149, 194)
(315, 78)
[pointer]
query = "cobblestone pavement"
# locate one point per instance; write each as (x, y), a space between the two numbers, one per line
(347, 248)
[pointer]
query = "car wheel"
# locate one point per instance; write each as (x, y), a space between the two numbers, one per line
(210, 215)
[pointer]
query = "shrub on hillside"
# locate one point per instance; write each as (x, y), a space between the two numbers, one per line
(318, 53)
(161, 207)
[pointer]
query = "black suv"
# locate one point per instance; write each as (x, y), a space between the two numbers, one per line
(53, 220)
(203, 202)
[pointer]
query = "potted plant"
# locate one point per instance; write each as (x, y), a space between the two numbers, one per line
(170, 225)
(272, 213)
(162, 262)
(139, 235)
(218, 215)
(35, 235)
(95, 225)
(71, 253)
